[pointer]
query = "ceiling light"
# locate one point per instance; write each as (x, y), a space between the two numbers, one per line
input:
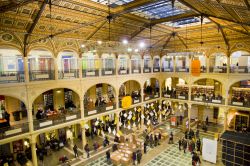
(99, 42)
(142, 44)
(136, 50)
(82, 45)
(125, 41)
(129, 49)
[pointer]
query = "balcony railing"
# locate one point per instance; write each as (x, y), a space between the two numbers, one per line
(203, 69)
(156, 69)
(123, 71)
(151, 96)
(215, 100)
(56, 118)
(218, 69)
(11, 77)
(13, 130)
(240, 69)
(165, 69)
(136, 70)
(90, 72)
(108, 72)
(182, 69)
(73, 73)
(245, 103)
(146, 70)
(40, 75)
(90, 109)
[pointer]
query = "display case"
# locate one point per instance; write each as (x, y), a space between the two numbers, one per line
(235, 148)
(240, 97)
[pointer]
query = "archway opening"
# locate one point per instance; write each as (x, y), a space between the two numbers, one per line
(151, 89)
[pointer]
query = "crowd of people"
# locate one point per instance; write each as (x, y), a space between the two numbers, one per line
(243, 97)
(172, 92)
(205, 96)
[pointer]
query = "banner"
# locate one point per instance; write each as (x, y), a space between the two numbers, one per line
(195, 67)
(126, 102)
(209, 150)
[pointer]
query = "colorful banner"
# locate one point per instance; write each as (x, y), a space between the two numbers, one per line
(196, 67)
(126, 102)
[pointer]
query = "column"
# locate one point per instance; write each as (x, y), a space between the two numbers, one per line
(174, 64)
(190, 64)
(207, 64)
(26, 70)
(117, 114)
(33, 150)
(228, 63)
(80, 67)
(30, 119)
(189, 115)
(225, 119)
(82, 107)
(142, 119)
(189, 92)
(84, 140)
(56, 68)
(100, 65)
(226, 96)
(117, 65)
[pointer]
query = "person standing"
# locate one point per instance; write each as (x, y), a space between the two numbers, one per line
(171, 138)
(207, 120)
(134, 157)
(86, 148)
(156, 140)
(139, 156)
(108, 156)
(145, 147)
(184, 144)
(75, 148)
(180, 143)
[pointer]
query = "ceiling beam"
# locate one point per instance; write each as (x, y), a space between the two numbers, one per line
(33, 25)
(232, 13)
(231, 28)
(247, 4)
(96, 30)
(12, 6)
(182, 41)
(166, 42)
(184, 2)
(175, 17)
(224, 36)
(137, 32)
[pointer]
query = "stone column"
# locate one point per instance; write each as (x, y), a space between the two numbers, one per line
(56, 68)
(142, 113)
(84, 140)
(117, 115)
(189, 92)
(228, 63)
(207, 64)
(225, 119)
(189, 116)
(225, 96)
(80, 67)
(26, 70)
(30, 119)
(174, 64)
(82, 107)
(116, 66)
(33, 150)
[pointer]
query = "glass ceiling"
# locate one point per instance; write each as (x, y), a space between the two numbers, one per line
(113, 3)
(157, 10)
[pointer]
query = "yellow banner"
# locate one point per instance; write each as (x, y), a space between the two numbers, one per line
(126, 102)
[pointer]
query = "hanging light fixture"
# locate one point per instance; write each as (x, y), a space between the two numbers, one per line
(201, 40)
